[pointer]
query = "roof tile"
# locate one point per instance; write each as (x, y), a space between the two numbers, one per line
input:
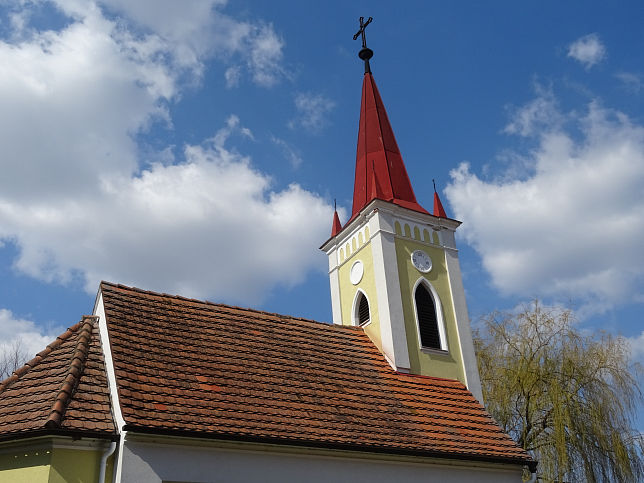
(63, 387)
(192, 366)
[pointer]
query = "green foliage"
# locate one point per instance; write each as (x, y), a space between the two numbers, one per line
(567, 398)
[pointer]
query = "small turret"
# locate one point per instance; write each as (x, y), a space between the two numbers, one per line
(337, 226)
(438, 206)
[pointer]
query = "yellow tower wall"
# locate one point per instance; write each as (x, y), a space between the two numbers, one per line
(429, 362)
(348, 291)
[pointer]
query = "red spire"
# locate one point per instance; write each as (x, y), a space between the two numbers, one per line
(337, 226)
(375, 190)
(380, 171)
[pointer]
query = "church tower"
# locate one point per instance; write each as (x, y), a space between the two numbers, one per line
(394, 266)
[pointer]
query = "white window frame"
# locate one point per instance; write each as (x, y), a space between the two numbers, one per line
(440, 320)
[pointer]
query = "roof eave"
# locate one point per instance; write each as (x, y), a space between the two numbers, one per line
(71, 433)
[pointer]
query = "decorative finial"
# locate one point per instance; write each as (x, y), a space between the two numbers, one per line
(434, 181)
(335, 205)
(365, 53)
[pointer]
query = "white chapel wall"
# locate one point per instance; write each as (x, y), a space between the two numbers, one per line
(153, 463)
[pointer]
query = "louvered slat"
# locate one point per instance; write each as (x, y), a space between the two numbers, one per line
(427, 322)
(363, 310)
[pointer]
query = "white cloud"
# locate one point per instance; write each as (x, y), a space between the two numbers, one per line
(31, 339)
(71, 102)
(589, 50)
(312, 111)
(232, 75)
(631, 82)
(184, 33)
(266, 56)
(232, 126)
(637, 347)
(198, 28)
(574, 227)
(541, 113)
(73, 196)
(288, 151)
(209, 227)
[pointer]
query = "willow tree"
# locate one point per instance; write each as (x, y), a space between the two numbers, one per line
(566, 397)
(12, 357)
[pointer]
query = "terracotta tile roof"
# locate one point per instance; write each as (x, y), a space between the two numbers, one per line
(190, 367)
(63, 389)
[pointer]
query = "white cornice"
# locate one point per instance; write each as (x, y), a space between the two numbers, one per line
(404, 214)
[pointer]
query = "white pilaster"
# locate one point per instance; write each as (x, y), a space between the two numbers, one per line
(470, 367)
(336, 305)
(447, 238)
(389, 298)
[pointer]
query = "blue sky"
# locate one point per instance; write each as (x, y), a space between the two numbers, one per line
(197, 147)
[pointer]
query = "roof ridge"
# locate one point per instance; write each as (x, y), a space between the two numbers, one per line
(18, 373)
(208, 302)
(75, 371)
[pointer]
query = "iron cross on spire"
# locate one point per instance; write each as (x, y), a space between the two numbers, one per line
(365, 53)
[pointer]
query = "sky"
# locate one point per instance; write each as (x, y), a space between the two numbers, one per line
(197, 148)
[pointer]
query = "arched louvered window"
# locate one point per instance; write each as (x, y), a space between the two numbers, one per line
(362, 309)
(427, 318)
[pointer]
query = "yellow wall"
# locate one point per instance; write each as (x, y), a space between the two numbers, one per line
(29, 466)
(74, 466)
(367, 285)
(52, 465)
(447, 364)
(429, 363)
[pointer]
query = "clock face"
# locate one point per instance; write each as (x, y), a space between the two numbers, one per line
(421, 261)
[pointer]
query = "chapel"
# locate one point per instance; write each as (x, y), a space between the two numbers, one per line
(154, 388)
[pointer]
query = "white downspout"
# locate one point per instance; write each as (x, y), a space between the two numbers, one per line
(106, 455)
